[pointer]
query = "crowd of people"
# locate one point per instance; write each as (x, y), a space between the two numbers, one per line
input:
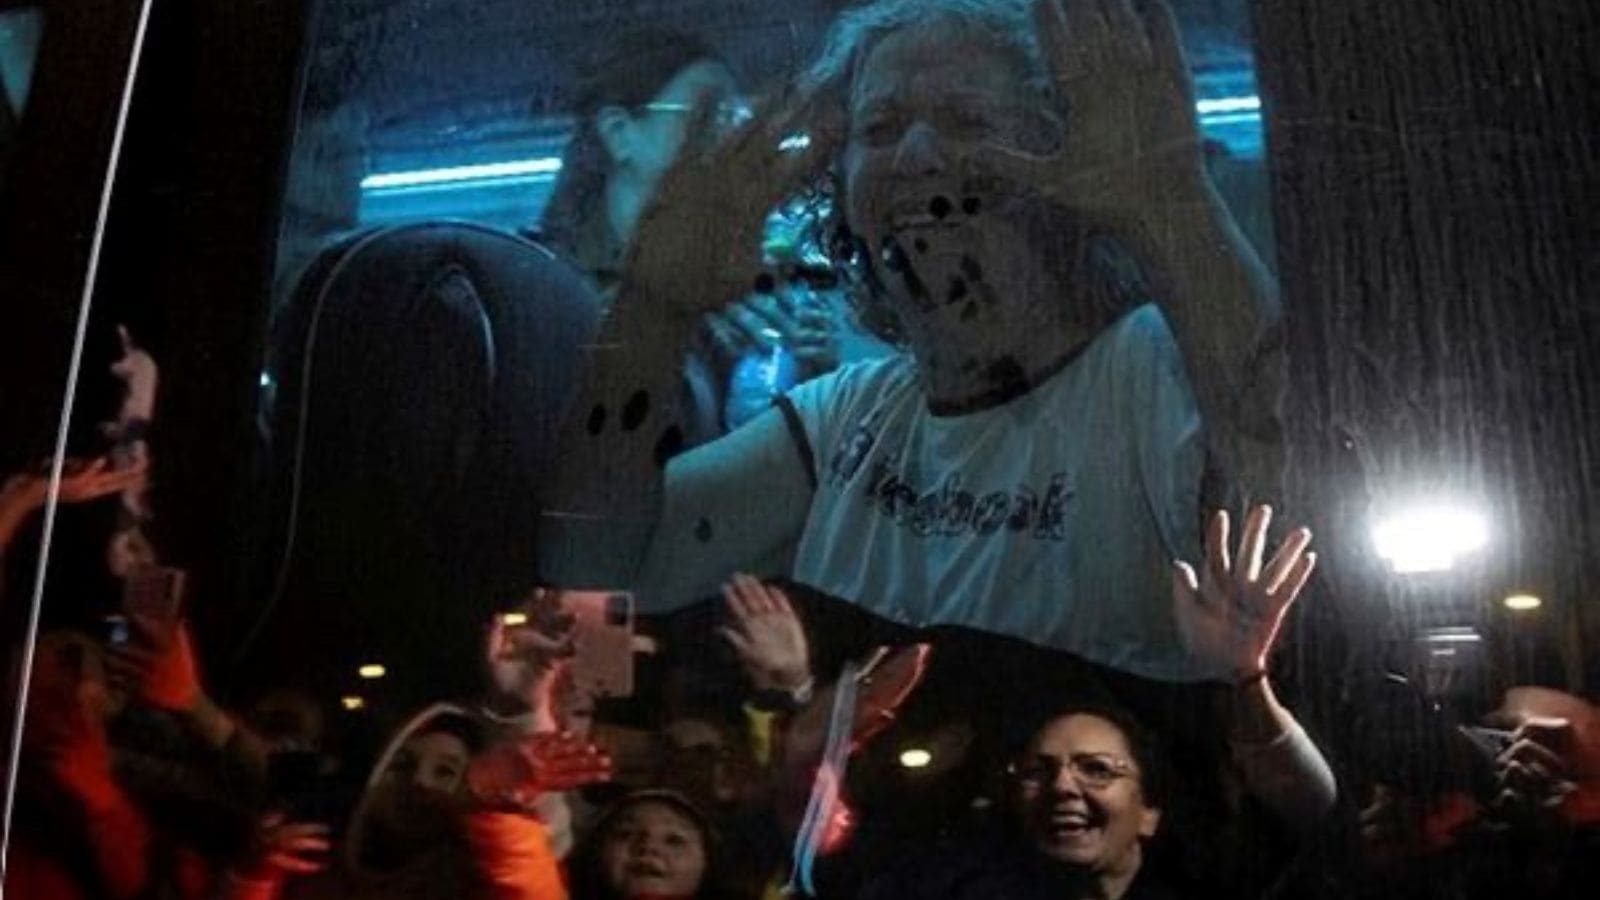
(1084, 396)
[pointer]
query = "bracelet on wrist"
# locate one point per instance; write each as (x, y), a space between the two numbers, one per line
(779, 699)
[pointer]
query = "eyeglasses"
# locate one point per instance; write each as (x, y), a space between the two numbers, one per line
(1095, 770)
(730, 114)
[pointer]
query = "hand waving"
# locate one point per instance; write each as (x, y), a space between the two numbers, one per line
(1229, 615)
(513, 773)
(766, 634)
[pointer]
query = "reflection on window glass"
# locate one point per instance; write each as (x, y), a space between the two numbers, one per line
(848, 212)
(709, 449)
(19, 47)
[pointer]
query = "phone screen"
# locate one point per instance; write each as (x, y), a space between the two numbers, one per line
(114, 629)
(602, 663)
(154, 591)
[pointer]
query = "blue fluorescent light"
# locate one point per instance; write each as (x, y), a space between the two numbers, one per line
(1213, 111)
(516, 168)
(1216, 105)
(1218, 120)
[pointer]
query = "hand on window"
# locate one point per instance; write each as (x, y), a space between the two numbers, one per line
(1229, 614)
(698, 245)
(1134, 137)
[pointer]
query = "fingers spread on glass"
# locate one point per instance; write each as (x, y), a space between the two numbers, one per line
(1230, 613)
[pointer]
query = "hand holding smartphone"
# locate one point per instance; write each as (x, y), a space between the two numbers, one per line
(152, 594)
(155, 593)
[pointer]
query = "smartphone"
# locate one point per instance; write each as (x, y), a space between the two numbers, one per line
(114, 629)
(602, 662)
(155, 592)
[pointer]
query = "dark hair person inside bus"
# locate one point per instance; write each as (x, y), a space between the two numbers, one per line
(642, 98)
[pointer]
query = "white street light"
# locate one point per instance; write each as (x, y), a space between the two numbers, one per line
(1522, 602)
(1429, 538)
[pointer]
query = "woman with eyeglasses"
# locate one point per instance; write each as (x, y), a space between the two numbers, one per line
(1085, 795)
(645, 97)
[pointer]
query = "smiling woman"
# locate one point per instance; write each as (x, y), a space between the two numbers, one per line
(1085, 801)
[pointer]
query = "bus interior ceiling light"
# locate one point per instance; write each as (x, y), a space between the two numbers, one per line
(537, 168)
(1212, 111)
(1450, 640)
(1225, 105)
(371, 671)
(1429, 538)
(1451, 634)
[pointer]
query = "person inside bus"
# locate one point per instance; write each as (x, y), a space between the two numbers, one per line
(1036, 461)
(634, 100)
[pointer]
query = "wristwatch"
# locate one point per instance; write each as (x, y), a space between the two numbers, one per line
(780, 700)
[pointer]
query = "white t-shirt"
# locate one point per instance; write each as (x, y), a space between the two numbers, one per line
(1053, 517)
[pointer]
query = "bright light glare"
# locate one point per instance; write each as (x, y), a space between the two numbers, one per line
(513, 619)
(1217, 105)
(516, 168)
(1522, 602)
(916, 758)
(1452, 634)
(372, 670)
(353, 702)
(1429, 538)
